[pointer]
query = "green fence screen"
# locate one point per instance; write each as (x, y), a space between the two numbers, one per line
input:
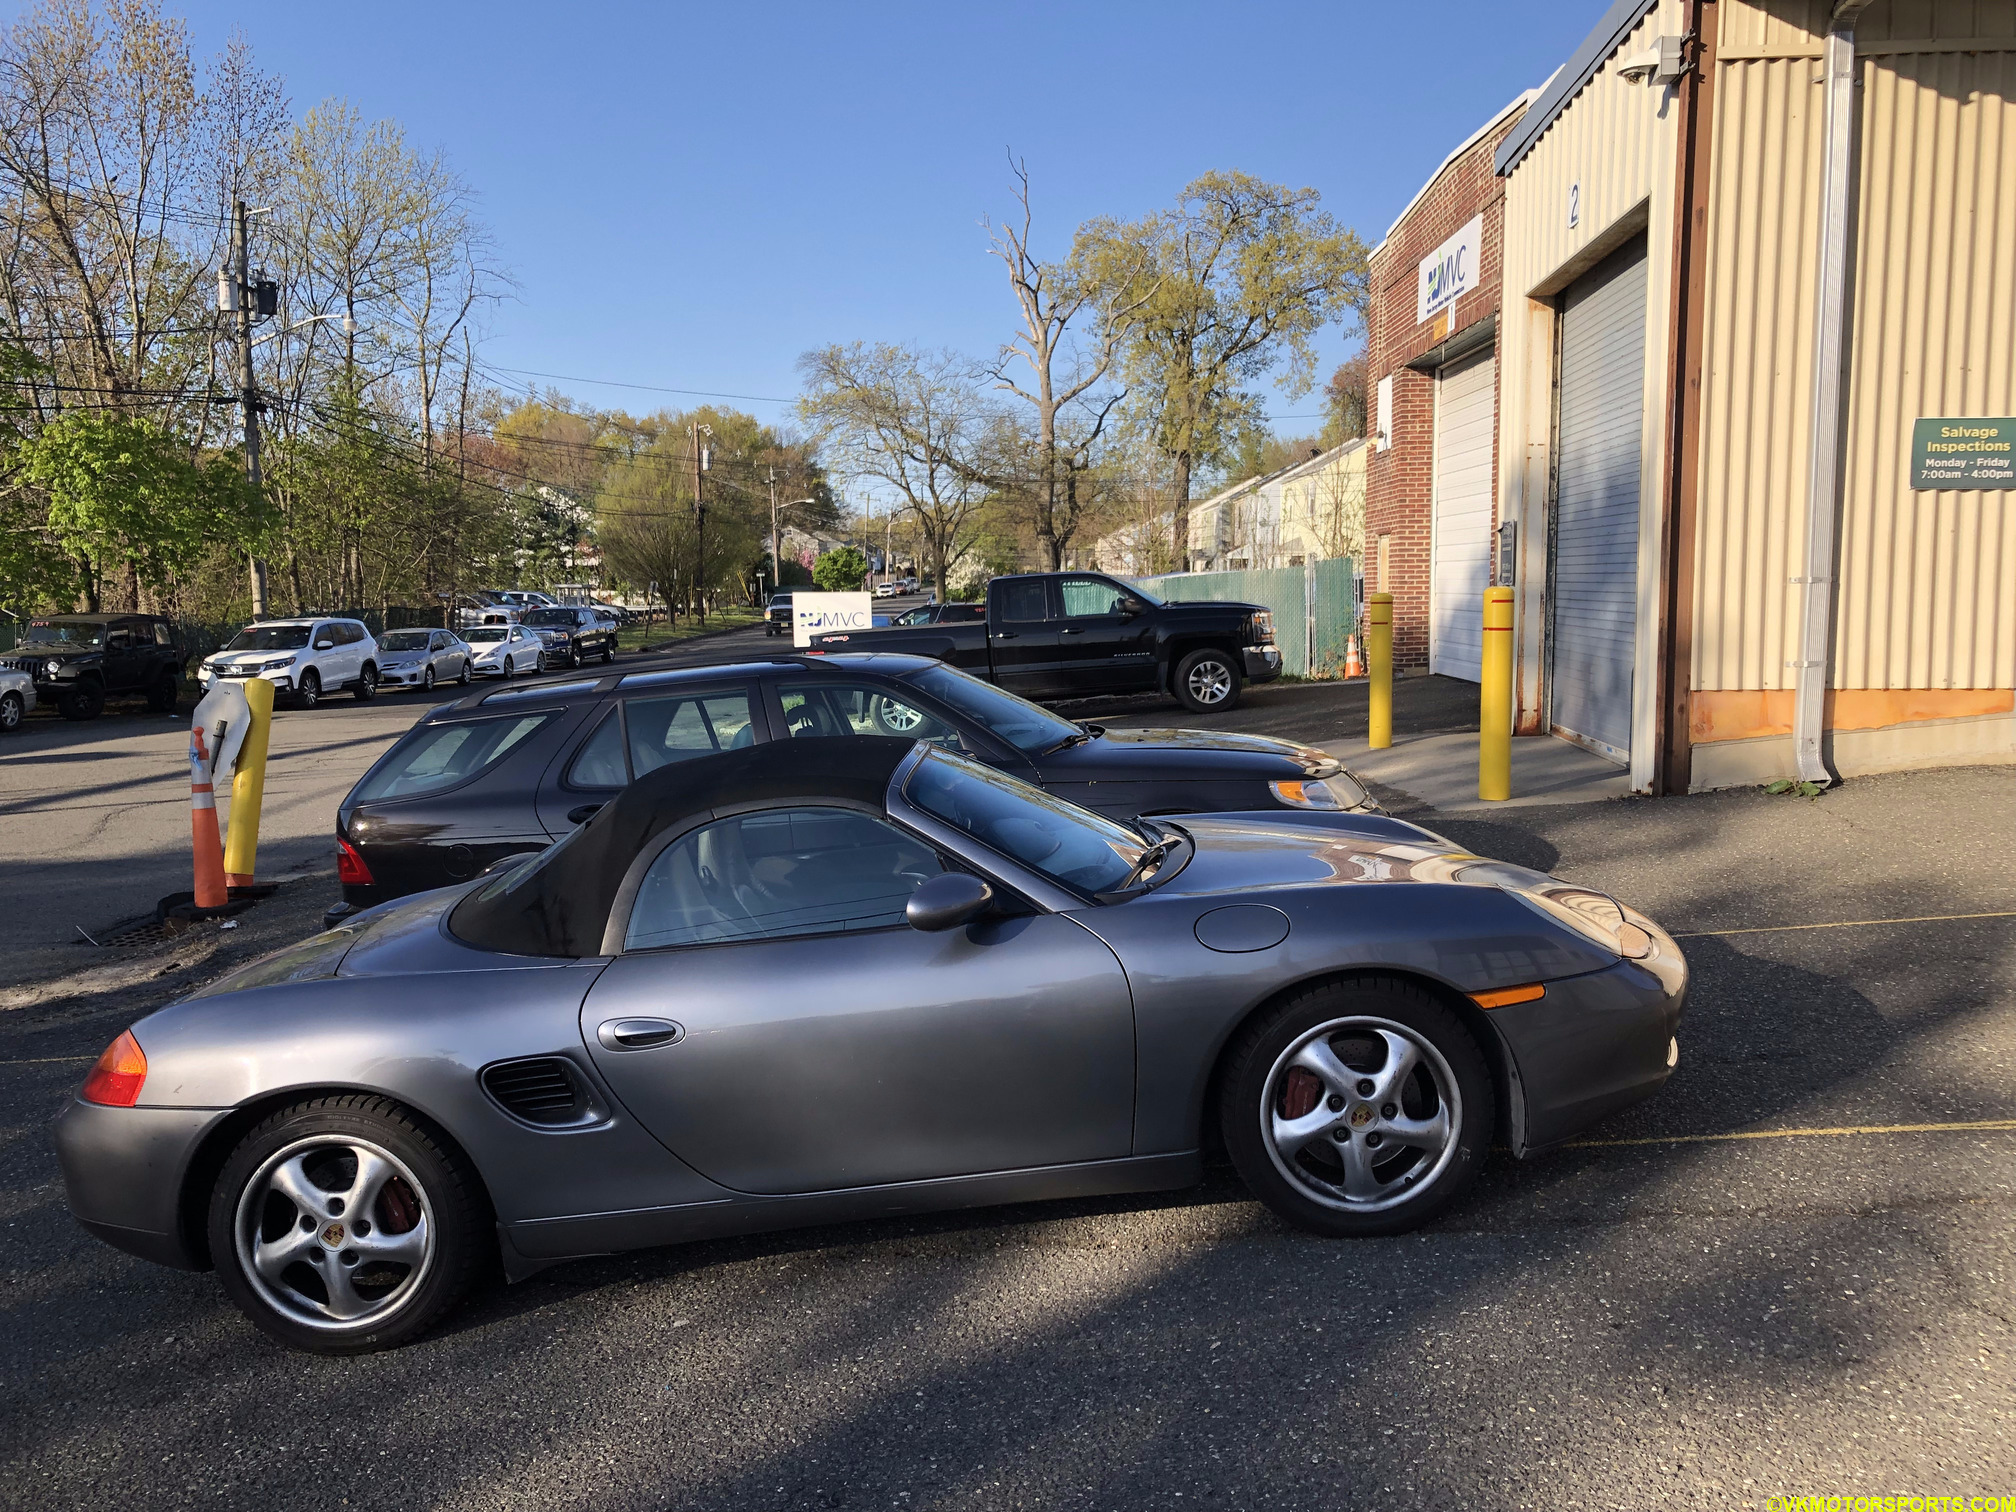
(1315, 607)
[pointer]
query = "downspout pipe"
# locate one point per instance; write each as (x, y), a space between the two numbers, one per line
(1830, 345)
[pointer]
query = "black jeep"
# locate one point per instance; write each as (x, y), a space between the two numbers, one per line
(80, 660)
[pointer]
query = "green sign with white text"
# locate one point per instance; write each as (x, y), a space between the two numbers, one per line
(1963, 453)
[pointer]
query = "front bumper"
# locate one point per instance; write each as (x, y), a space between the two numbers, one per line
(1263, 663)
(123, 1171)
(283, 681)
(401, 677)
(1595, 1043)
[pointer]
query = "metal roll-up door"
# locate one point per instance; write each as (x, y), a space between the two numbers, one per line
(1460, 542)
(1593, 592)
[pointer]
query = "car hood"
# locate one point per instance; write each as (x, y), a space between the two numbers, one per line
(248, 658)
(57, 653)
(1147, 755)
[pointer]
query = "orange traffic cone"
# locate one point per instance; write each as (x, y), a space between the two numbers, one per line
(1354, 663)
(208, 844)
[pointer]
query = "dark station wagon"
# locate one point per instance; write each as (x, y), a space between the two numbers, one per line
(507, 771)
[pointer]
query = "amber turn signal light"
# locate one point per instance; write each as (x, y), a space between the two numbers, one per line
(1503, 997)
(121, 1071)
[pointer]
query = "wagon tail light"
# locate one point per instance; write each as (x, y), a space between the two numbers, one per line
(350, 867)
(116, 1080)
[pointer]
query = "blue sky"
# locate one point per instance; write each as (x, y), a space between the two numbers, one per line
(691, 196)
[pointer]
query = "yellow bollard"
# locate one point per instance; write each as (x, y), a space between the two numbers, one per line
(248, 788)
(1494, 702)
(1379, 651)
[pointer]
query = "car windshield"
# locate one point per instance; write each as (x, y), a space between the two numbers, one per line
(64, 633)
(1022, 724)
(548, 617)
(269, 638)
(484, 634)
(1062, 841)
(404, 640)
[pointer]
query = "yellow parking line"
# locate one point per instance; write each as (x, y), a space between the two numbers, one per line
(1981, 1126)
(1699, 934)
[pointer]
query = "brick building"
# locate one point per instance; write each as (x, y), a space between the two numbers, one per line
(1431, 347)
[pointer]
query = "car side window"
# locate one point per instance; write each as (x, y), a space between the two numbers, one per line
(682, 726)
(1024, 600)
(118, 639)
(600, 763)
(837, 708)
(778, 873)
(161, 635)
(439, 756)
(1088, 596)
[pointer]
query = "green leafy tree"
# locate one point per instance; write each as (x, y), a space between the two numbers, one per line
(842, 570)
(1242, 274)
(121, 491)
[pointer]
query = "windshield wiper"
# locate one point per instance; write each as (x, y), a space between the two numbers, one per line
(1155, 853)
(1078, 738)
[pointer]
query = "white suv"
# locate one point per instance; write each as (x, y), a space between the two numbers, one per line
(302, 657)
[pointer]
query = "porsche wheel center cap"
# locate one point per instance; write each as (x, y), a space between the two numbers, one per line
(333, 1235)
(1361, 1116)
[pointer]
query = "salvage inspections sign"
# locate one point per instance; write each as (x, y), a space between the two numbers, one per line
(1963, 453)
(824, 613)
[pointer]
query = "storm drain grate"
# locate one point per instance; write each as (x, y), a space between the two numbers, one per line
(134, 932)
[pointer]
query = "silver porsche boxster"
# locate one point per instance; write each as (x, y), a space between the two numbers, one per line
(828, 979)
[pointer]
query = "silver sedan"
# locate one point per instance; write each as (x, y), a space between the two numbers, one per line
(504, 650)
(422, 658)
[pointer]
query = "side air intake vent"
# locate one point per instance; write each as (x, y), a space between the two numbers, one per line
(545, 1091)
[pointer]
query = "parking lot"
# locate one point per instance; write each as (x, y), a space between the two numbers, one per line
(1790, 1272)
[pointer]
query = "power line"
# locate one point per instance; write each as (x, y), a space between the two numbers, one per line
(652, 388)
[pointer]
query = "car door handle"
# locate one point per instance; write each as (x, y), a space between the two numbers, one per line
(1069, 631)
(1004, 635)
(639, 1033)
(582, 814)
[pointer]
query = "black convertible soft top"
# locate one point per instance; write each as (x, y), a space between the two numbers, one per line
(558, 904)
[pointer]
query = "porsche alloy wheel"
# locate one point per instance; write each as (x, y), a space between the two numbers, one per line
(340, 1225)
(1358, 1108)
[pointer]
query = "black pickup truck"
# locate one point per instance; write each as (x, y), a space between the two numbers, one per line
(1074, 634)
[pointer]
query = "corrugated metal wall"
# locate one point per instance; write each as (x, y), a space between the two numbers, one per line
(1928, 580)
(1757, 350)
(1927, 595)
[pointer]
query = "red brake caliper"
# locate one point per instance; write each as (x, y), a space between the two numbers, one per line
(1300, 1092)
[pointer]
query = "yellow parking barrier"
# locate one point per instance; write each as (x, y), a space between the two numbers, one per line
(248, 789)
(1494, 703)
(1379, 647)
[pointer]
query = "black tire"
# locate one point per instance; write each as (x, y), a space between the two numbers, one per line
(308, 691)
(464, 679)
(13, 710)
(367, 684)
(1207, 682)
(608, 653)
(574, 659)
(86, 701)
(162, 695)
(1404, 1175)
(430, 1188)
(427, 679)
(509, 666)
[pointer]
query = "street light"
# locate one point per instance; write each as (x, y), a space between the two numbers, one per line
(349, 326)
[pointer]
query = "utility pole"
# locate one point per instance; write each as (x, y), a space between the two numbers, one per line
(237, 300)
(776, 560)
(702, 456)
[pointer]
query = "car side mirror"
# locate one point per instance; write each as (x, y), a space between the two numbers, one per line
(325, 645)
(1131, 607)
(947, 901)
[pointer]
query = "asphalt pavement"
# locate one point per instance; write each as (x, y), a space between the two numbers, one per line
(1790, 1272)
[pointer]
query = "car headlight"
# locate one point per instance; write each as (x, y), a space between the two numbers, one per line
(276, 664)
(51, 668)
(1336, 793)
(1263, 627)
(1596, 916)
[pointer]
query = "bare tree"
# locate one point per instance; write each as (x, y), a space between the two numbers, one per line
(1050, 297)
(912, 420)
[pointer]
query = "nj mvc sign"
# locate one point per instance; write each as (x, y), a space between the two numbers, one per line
(1451, 269)
(824, 613)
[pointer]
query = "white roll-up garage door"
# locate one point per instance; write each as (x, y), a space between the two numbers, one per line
(1460, 542)
(1593, 595)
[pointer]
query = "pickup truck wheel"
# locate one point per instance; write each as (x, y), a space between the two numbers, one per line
(161, 697)
(85, 702)
(12, 712)
(1206, 682)
(608, 653)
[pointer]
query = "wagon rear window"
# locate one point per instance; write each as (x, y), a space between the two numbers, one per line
(439, 756)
